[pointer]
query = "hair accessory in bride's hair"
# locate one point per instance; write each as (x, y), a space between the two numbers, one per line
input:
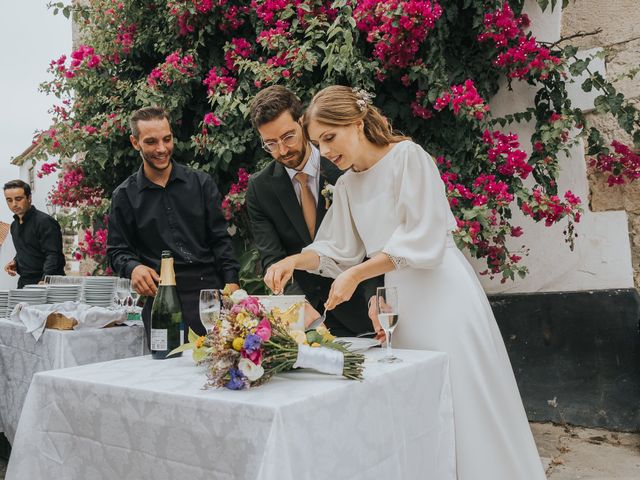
(364, 98)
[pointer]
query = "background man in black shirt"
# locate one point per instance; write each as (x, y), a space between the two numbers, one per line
(36, 236)
(168, 206)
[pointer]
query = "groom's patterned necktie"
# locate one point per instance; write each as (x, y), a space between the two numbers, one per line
(308, 202)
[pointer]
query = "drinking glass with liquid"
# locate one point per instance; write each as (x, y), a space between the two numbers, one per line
(210, 305)
(387, 305)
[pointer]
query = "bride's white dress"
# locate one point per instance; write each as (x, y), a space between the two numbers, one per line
(399, 207)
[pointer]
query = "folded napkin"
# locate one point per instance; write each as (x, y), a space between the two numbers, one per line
(34, 317)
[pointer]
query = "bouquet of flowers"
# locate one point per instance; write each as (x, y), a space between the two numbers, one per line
(248, 345)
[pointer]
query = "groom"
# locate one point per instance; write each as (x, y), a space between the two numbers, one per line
(286, 206)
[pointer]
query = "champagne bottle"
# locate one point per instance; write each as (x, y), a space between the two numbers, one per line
(166, 313)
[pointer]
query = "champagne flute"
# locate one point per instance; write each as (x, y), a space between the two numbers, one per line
(210, 304)
(387, 306)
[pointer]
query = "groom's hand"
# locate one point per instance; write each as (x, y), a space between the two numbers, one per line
(278, 274)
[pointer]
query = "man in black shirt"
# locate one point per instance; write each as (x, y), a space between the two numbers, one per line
(168, 206)
(36, 237)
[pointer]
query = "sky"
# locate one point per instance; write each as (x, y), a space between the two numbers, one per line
(30, 37)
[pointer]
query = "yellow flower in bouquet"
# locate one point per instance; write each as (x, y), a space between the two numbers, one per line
(237, 344)
(299, 336)
(325, 333)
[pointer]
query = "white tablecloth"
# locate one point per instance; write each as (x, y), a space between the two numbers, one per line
(21, 357)
(150, 419)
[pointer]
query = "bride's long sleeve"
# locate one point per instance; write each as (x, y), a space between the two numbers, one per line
(420, 239)
(337, 241)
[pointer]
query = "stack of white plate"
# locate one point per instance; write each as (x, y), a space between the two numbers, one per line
(4, 303)
(63, 293)
(99, 291)
(31, 296)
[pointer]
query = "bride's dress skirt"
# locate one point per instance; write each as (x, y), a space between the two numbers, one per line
(445, 309)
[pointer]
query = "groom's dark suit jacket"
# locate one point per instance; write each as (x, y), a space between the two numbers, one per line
(279, 230)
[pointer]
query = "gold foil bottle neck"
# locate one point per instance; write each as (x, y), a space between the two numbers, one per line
(167, 274)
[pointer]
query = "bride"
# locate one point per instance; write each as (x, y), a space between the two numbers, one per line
(390, 206)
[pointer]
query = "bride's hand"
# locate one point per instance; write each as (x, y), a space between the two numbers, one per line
(342, 289)
(373, 315)
(278, 274)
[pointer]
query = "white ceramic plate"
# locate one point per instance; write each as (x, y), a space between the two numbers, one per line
(357, 344)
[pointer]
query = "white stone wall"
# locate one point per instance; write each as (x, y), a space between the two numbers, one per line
(602, 255)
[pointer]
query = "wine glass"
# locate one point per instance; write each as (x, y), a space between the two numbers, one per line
(133, 295)
(387, 306)
(210, 304)
(123, 286)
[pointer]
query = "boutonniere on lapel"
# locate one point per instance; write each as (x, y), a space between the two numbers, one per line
(327, 193)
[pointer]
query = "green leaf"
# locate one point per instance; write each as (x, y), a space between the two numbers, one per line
(192, 336)
(182, 348)
(199, 354)
(579, 66)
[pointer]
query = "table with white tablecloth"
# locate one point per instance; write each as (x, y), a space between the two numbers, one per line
(21, 356)
(141, 418)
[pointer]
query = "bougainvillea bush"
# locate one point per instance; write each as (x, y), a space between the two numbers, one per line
(432, 65)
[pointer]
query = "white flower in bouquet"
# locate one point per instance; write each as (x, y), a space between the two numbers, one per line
(239, 295)
(250, 370)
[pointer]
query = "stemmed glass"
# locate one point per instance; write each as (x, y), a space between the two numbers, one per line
(210, 304)
(387, 305)
(123, 286)
(134, 296)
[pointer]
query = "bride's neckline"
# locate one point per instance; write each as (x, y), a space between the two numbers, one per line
(372, 167)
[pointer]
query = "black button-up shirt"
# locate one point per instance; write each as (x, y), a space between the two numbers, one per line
(38, 243)
(184, 217)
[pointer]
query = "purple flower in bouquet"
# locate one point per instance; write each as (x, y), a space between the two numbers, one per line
(264, 330)
(252, 343)
(237, 381)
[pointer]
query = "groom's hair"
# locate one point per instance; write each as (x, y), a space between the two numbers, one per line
(272, 102)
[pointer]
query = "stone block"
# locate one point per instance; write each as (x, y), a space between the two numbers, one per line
(602, 196)
(621, 60)
(618, 20)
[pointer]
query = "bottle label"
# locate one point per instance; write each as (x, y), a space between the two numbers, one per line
(159, 339)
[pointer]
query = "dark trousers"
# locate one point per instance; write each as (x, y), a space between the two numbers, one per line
(26, 280)
(189, 282)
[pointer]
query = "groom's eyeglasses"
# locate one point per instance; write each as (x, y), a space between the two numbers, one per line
(289, 140)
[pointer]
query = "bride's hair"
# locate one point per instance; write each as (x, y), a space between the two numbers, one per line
(341, 106)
